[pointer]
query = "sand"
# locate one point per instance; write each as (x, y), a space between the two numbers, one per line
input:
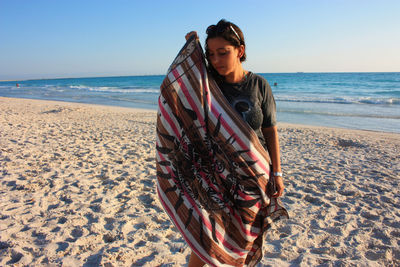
(77, 188)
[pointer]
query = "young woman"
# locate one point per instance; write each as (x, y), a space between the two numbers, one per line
(248, 93)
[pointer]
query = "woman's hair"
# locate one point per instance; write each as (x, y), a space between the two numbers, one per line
(231, 33)
(228, 31)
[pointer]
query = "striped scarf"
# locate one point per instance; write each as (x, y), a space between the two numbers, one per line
(212, 171)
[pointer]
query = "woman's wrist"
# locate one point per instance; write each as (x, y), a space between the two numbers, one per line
(278, 174)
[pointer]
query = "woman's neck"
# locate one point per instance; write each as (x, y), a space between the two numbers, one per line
(237, 76)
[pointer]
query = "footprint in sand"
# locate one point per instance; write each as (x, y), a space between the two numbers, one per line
(91, 218)
(109, 223)
(375, 255)
(313, 200)
(370, 216)
(140, 244)
(93, 260)
(147, 200)
(56, 229)
(382, 236)
(4, 245)
(62, 220)
(140, 226)
(95, 208)
(108, 238)
(15, 257)
(152, 238)
(77, 232)
(62, 246)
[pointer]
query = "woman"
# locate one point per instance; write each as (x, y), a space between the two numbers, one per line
(248, 93)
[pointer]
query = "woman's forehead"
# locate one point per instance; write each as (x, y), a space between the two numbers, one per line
(218, 43)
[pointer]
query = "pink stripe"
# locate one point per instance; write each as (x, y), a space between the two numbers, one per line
(206, 222)
(188, 96)
(247, 197)
(168, 118)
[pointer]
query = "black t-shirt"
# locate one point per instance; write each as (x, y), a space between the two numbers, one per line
(253, 99)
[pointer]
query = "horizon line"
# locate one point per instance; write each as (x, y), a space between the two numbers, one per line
(139, 75)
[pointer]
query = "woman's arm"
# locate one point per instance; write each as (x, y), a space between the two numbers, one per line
(272, 139)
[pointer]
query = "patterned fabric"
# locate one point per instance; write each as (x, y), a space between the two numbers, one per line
(212, 171)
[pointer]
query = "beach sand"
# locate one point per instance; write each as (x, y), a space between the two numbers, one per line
(78, 188)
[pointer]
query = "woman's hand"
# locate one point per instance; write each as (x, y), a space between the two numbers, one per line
(190, 34)
(279, 186)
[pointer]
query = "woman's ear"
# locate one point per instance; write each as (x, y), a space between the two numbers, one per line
(241, 51)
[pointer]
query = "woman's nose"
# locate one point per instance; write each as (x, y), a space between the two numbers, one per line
(214, 59)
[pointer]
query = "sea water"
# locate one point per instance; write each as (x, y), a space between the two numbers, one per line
(368, 101)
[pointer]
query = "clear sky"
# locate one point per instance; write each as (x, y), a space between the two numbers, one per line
(81, 38)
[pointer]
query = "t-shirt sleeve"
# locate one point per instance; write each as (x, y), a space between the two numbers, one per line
(268, 106)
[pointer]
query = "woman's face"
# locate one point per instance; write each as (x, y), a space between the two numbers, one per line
(224, 57)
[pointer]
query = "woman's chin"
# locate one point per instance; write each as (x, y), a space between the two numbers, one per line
(221, 72)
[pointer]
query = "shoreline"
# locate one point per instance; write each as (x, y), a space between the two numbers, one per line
(78, 186)
(75, 104)
(155, 110)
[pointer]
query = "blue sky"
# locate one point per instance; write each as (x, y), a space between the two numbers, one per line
(59, 38)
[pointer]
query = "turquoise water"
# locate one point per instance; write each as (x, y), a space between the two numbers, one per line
(369, 101)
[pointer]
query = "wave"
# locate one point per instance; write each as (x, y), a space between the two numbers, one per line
(132, 100)
(389, 92)
(335, 114)
(6, 87)
(340, 100)
(116, 89)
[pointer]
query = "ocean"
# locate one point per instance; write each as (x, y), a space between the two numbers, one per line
(367, 101)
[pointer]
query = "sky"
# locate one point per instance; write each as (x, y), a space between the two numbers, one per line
(76, 38)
